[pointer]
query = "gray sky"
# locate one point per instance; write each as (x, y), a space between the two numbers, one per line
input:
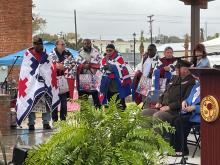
(113, 19)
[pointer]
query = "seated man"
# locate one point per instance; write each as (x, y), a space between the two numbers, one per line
(190, 116)
(168, 107)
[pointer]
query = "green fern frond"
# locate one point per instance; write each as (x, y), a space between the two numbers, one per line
(106, 136)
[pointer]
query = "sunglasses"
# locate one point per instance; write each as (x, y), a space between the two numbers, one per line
(109, 50)
(38, 43)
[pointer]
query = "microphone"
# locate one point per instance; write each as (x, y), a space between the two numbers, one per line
(216, 66)
(213, 53)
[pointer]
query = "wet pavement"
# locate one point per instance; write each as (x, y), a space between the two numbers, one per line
(23, 136)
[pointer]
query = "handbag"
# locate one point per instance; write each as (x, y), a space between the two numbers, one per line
(62, 84)
(145, 85)
(90, 82)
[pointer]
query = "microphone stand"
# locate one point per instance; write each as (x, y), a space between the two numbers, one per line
(5, 81)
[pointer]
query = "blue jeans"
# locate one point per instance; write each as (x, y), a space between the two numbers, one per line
(46, 117)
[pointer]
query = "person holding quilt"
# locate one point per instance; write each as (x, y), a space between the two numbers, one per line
(88, 63)
(116, 78)
(37, 87)
(165, 67)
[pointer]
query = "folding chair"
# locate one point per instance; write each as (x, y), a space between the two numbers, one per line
(195, 131)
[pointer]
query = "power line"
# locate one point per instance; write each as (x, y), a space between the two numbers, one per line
(107, 13)
(115, 13)
(169, 21)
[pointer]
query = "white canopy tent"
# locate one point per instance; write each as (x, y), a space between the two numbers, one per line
(213, 46)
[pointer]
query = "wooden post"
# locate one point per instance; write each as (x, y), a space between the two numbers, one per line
(196, 5)
(186, 45)
(195, 25)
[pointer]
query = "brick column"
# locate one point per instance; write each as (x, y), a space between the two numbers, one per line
(15, 25)
(4, 113)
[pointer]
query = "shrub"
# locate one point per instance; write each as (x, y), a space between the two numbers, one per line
(104, 137)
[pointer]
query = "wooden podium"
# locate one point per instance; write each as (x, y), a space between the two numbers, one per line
(210, 131)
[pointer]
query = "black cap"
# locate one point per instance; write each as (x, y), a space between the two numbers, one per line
(183, 63)
(37, 41)
(111, 46)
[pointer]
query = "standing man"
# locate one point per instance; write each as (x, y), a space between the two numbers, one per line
(89, 62)
(58, 55)
(148, 63)
(37, 88)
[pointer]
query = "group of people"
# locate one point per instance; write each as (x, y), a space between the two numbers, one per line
(39, 89)
(42, 76)
(179, 104)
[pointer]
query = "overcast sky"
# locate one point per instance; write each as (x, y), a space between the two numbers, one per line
(113, 19)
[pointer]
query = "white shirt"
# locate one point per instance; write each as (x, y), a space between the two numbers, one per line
(148, 64)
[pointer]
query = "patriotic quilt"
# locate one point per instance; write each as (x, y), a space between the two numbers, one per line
(37, 82)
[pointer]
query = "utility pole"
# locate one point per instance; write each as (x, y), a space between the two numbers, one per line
(151, 28)
(75, 29)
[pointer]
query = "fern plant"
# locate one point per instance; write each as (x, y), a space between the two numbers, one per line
(107, 136)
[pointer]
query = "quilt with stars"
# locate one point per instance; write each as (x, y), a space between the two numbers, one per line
(37, 81)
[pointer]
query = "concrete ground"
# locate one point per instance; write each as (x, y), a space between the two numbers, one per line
(23, 136)
(195, 160)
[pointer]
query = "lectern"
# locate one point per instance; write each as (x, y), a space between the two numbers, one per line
(210, 120)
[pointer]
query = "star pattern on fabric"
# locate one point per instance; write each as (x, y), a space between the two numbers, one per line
(22, 87)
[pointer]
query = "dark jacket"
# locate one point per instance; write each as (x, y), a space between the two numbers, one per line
(171, 96)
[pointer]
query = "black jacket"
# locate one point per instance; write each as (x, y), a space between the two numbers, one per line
(172, 94)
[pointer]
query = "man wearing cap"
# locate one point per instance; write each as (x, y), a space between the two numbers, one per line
(116, 79)
(169, 105)
(88, 63)
(37, 90)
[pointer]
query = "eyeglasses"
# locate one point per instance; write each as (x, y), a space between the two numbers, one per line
(109, 50)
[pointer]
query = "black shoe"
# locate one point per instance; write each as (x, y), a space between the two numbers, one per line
(31, 128)
(47, 126)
